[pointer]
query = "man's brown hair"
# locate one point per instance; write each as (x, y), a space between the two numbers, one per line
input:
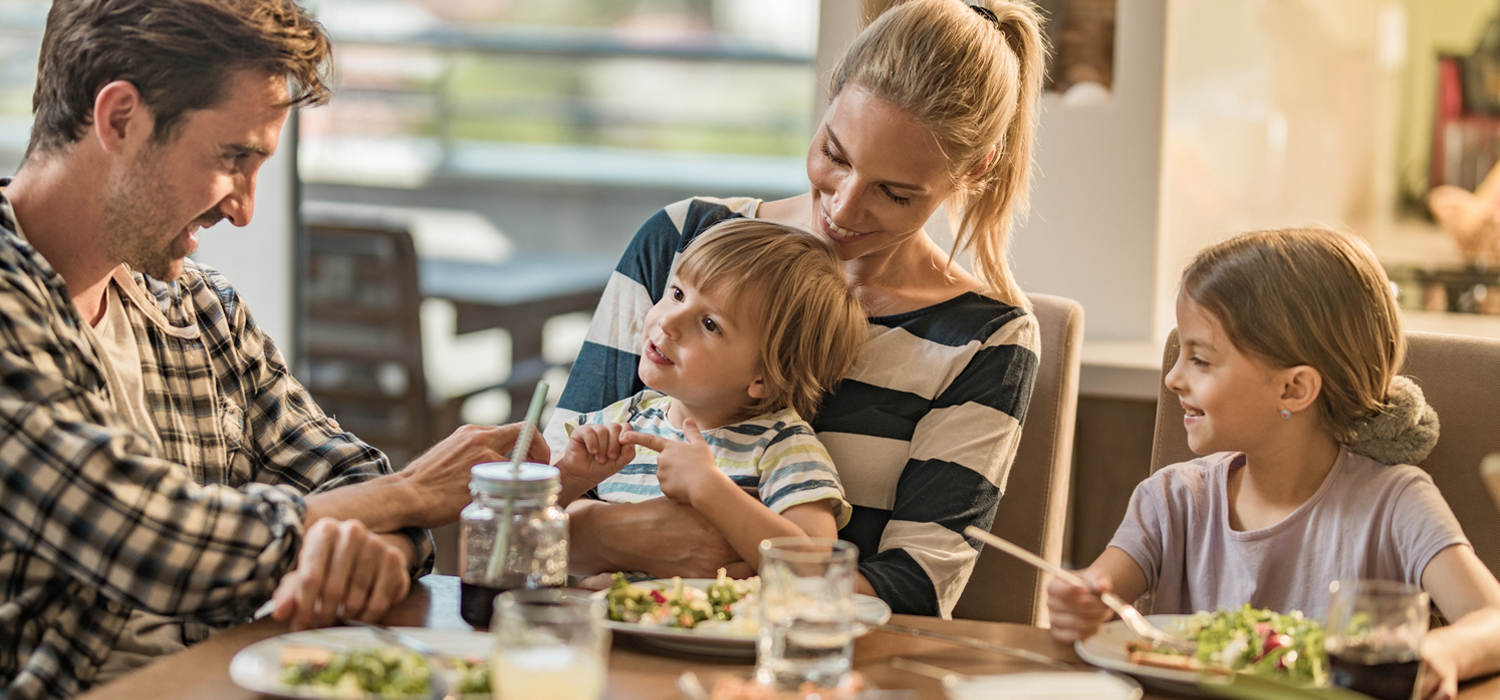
(179, 54)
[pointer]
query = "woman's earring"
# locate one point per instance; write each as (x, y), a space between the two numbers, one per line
(1285, 414)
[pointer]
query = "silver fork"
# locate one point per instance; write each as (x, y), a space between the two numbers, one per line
(1127, 612)
(437, 683)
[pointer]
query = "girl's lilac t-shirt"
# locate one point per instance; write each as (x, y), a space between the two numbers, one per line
(1367, 520)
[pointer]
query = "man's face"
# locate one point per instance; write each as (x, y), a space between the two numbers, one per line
(203, 173)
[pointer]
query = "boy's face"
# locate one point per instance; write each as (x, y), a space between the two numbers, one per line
(702, 350)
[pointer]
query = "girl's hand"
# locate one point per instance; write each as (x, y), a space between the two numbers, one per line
(686, 470)
(1440, 677)
(593, 454)
(1076, 612)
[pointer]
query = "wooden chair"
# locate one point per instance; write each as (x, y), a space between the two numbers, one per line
(1033, 511)
(362, 360)
(1460, 376)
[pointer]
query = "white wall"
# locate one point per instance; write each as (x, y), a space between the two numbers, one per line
(1095, 203)
(260, 259)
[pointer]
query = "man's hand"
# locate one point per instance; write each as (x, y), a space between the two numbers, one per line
(686, 470)
(440, 477)
(343, 571)
(594, 452)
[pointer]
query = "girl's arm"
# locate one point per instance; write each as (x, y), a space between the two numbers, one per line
(1468, 595)
(1076, 612)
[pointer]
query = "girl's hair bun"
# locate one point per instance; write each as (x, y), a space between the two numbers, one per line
(1402, 431)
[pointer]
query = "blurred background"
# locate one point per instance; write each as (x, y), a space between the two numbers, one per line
(428, 246)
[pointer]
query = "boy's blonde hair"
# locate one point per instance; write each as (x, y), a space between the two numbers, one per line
(1308, 296)
(974, 84)
(812, 327)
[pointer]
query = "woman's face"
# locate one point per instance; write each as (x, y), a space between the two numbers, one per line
(877, 175)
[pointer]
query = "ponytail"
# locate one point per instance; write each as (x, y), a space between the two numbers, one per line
(975, 83)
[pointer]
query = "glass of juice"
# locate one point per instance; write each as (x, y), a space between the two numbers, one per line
(549, 643)
(1374, 637)
(806, 632)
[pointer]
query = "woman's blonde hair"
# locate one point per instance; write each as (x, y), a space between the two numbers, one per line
(1307, 296)
(974, 83)
(811, 325)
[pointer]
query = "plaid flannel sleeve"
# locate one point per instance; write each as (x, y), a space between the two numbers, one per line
(300, 446)
(81, 495)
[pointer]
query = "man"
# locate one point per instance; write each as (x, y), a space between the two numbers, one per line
(161, 472)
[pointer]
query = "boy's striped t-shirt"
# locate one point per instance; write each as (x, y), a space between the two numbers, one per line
(773, 456)
(923, 429)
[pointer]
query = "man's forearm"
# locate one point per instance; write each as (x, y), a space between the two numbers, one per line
(383, 504)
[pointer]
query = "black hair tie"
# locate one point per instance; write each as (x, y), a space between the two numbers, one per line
(986, 13)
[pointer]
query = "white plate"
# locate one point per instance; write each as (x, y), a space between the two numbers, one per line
(1094, 685)
(1107, 650)
(869, 611)
(257, 667)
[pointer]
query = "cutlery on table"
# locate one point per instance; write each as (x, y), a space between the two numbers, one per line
(1132, 618)
(436, 682)
(972, 643)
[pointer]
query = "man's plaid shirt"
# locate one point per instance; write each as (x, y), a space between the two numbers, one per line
(94, 521)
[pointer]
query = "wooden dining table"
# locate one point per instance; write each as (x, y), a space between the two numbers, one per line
(635, 670)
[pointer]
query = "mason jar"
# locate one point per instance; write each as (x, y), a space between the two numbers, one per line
(535, 547)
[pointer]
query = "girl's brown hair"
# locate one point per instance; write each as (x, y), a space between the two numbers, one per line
(1307, 296)
(812, 327)
(974, 84)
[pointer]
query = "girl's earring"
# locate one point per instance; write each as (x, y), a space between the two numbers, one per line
(1285, 414)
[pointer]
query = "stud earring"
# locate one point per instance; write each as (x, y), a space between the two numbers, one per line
(1285, 414)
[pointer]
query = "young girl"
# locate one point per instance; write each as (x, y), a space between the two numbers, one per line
(1290, 341)
(757, 324)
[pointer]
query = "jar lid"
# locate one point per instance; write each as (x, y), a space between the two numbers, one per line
(498, 479)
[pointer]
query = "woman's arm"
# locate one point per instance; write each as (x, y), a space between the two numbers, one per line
(659, 536)
(960, 449)
(1467, 593)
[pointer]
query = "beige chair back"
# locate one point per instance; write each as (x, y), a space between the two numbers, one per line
(1461, 377)
(1034, 508)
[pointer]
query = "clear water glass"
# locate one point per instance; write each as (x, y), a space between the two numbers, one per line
(549, 643)
(1374, 637)
(807, 623)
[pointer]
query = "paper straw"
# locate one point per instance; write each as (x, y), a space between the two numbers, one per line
(523, 445)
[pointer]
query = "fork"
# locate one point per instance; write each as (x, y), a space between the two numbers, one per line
(437, 684)
(1132, 618)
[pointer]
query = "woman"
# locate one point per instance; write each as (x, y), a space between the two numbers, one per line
(934, 102)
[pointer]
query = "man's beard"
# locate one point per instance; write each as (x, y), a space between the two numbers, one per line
(138, 217)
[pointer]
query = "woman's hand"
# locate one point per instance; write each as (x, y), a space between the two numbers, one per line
(1076, 612)
(659, 536)
(686, 470)
(343, 571)
(594, 452)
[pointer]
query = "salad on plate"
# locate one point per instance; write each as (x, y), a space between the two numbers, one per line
(725, 606)
(382, 671)
(1287, 647)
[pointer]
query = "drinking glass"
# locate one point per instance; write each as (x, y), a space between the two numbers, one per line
(549, 643)
(807, 622)
(1374, 637)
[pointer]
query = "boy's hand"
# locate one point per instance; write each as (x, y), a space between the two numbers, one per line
(686, 470)
(1076, 612)
(593, 454)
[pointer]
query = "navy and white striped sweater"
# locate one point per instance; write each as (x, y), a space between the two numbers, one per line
(923, 429)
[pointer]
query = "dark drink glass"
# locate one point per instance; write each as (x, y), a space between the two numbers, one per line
(1374, 637)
